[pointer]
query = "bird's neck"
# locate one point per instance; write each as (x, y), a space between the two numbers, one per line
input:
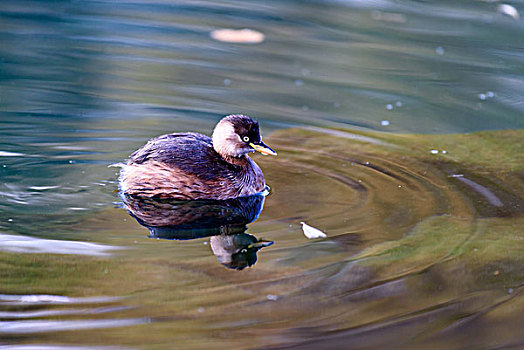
(242, 160)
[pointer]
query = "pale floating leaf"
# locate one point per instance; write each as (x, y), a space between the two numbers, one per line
(238, 36)
(311, 232)
(508, 10)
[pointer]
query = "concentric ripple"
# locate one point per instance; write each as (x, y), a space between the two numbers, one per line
(375, 195)
(409, 240)
(423, 238)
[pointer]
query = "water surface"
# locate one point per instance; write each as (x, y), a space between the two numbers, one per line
(370, 105)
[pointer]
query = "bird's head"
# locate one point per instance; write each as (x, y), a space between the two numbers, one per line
(237, 135)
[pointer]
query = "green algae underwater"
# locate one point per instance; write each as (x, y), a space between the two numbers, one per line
(424, 249)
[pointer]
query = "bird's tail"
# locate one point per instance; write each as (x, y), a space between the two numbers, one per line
(117, 165)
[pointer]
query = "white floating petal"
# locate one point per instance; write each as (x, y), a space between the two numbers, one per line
(311, 232)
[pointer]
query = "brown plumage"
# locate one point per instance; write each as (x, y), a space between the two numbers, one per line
(195, 166)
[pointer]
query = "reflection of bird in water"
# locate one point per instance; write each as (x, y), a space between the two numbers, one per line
(237, 251)
(225, 221)
(181, 219)
(195, 166)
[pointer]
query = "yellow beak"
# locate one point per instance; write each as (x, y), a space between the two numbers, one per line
(263, 148)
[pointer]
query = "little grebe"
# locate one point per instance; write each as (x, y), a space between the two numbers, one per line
(195, 166)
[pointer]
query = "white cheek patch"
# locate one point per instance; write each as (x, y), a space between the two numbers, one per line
(227, 142)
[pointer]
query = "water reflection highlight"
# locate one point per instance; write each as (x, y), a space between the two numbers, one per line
(24, 244)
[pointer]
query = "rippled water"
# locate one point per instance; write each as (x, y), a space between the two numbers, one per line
(424, 232)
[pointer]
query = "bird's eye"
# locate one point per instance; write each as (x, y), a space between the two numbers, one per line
(246, 138)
